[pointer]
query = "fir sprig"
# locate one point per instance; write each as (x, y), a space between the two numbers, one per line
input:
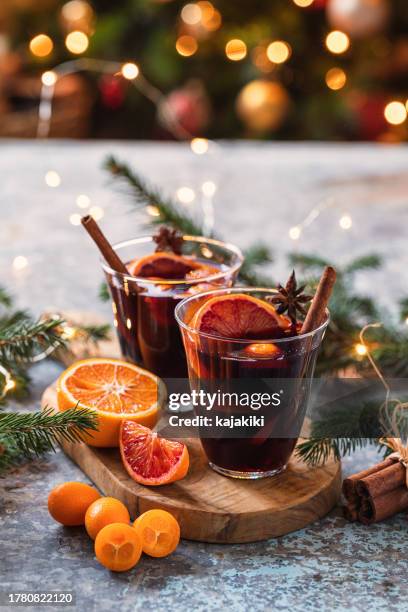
(22, 337)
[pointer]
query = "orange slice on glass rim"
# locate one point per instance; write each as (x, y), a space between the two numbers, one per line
(241, 316)
(150, 459)
(116, 390)
(168, 266)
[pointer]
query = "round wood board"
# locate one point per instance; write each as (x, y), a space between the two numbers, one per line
(211, 507)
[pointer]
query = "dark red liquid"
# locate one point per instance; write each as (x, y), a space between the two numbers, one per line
(147, 329)
(269, 447)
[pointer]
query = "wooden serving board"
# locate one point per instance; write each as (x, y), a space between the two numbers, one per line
(211, 507)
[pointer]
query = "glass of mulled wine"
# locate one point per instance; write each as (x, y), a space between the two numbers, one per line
(143, 302)
(236, 342)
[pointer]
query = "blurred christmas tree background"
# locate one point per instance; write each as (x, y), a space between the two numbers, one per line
(283, 69)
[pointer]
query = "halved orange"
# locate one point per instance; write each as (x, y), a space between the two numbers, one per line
(168, 266)
(149, 459)
(116, 390)
(237, 315)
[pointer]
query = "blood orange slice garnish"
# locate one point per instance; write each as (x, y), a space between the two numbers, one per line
(149, 459)
(239, 316)
(116, 390)
(162, 265)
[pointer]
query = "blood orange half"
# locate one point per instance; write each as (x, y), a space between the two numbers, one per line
(151, 460)
(168, 266)
(238, 315)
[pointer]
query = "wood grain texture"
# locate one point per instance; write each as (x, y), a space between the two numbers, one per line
(211, 507)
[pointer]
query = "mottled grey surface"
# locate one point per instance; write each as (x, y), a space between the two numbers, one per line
(263, 190)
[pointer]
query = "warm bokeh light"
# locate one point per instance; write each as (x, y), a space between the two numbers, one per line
(395, 113)
(337, 42)
(303, 3)
(77, 42)
(295, 232)
(152, 210)
(96, 212)
(83, 201)
(49, 78)
(209, 188)
(130, 71)
(75, 219)
(210, 17)
(186, 195)
(191, 14)
(336, 78)
(52, 179)
(278, 51)
(41, 45)
(199, 145)
(261, 60)
(186, 45)
(20, 262)
(235, 49)
(360, 349)
(345, 222)
(75, 10)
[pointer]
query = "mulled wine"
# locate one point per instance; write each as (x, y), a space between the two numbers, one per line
(236, 342)
(143, 301)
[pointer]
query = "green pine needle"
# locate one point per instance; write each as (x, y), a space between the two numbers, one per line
(5, 298)
(95, 333)
(21, 337)
(103, 293)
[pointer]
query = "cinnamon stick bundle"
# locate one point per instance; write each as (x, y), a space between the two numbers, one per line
(377, 493)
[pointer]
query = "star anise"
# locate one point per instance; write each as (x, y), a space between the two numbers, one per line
(291, 299)
(168, 239)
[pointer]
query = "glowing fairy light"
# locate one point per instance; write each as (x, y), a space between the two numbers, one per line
(75, 10)
(295, 232)
(278, 51)
(360, 349)
(96, 212)
(20, 262)
(186, 45)
(77, 42)
(303, 3)
(75, 219)
(337, 42)
(52, 179)
(152, 210)
(209, 188)
(395, 112)
(69, 332)
(185, 195)
(10, 384)
(130, 71)
(199, 146)
(41, 45)
(336, 78)
(83, 201)
(49, 78)
(128, 323)
(406, 321)
(235, 49)
(345, 222)
(191, 14)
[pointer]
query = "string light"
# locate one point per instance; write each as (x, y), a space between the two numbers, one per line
(41, 45)
(9, 383)
(77, 42)
(406, 321)
(211, 18)
(130, 71)
(295, 232)
(235, 49)
(52, 179)
(185, 195)
(191, 14)
(303, 3)
(209, 188)
(153, 211)
(75, 219)
(360, 349)
(278, 51)
(96, 212)
(20, 262)
(335, 78)
(345, 222)
(186, 45)
(199, 146)
(75, 10)
(395, 112)
(49, 78)
(337, 42)
(83, 201)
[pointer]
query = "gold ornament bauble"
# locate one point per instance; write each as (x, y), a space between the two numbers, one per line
(262, 105)
(358, 18)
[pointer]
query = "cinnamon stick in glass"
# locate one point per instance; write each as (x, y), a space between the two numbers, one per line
(317, 311)
(106, 249)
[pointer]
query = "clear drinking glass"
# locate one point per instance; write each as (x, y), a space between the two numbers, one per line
(226, 365)
(143, 308)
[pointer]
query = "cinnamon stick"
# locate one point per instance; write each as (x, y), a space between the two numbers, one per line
(350, 511)
(382, 481)
(106, 249)
(350, 483)
(375, 509)
(317, 310)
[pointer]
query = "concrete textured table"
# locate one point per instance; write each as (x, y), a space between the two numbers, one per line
(263, 190)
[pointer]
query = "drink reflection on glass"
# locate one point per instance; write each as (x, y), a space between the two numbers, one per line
(143, 301)
(234, 338)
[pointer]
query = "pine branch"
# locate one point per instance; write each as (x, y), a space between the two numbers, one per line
(5, 298)
(33, 433)
(371, 261)
(404, 309)
(95, 333)
(21, 338)
(103, 292)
